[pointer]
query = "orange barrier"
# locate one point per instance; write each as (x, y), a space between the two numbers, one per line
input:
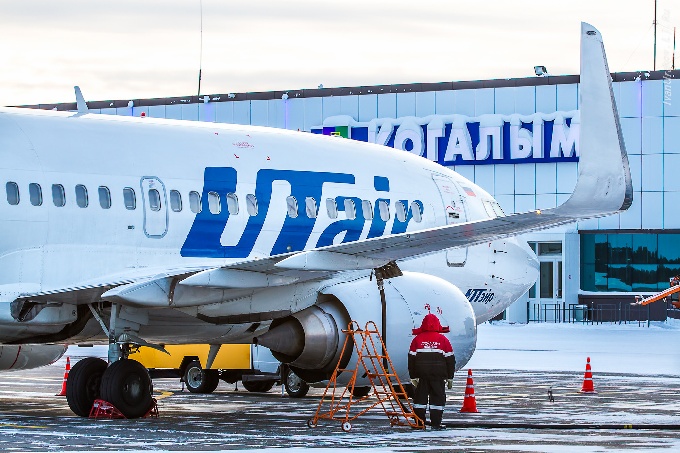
(469, 402)
(662, 295)
(63, 384)
(588, 386)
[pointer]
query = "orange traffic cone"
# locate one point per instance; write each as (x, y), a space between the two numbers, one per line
(63, 384)
(588, 380)
(469, 402)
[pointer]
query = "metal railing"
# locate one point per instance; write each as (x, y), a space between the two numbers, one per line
(600, 313)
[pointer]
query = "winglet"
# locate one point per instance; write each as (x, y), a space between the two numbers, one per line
(80, 101)
(604, 185)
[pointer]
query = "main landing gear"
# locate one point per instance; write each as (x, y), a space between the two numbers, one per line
(124, 383)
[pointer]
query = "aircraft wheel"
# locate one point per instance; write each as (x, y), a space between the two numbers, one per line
(258, 386)
(295, 386)
(360, 392)
(126, 384)
(199, 380)
(82, 386)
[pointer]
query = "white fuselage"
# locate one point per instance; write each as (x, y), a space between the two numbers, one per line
(45, 246)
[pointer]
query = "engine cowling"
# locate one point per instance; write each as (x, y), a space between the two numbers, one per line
(310, 341)
(25, 357)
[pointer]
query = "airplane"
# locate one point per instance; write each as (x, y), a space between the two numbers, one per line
(144, 232)
(26, 357)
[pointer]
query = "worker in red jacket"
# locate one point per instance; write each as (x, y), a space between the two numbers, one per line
(431, 361)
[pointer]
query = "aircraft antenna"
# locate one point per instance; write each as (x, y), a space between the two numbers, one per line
(200, 55)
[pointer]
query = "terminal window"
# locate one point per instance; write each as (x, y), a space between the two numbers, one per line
(629, 262)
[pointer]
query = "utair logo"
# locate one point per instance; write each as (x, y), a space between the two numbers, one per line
(211, 236)
(479, 295)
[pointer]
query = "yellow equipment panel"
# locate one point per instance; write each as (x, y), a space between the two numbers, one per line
(230, 357)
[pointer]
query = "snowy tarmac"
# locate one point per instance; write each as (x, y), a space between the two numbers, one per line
(635, 373)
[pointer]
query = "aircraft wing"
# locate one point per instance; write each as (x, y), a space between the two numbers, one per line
(603, 187)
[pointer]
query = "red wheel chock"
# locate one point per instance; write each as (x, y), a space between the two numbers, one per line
(104, 410)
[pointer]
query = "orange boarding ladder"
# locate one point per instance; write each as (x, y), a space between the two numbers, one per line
(372, 361)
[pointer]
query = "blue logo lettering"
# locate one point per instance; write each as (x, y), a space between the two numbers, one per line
(204, 238)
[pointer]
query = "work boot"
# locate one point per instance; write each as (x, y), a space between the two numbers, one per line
(438, 427)
(436, 416)
(420, 413)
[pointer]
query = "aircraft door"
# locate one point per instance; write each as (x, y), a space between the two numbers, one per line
(454, 210)
(155, 207)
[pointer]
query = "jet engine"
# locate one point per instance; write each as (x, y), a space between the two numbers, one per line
(25, 357)
(311, 341)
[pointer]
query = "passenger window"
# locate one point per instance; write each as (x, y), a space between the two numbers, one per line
(129, 198)
(384, 209)
(232, 203)
(400, 211)
(175, 201)
(214, 203)
(58, 195)
(104, 197)
(310, 207)
(350, 209)
(12, 189)
(291, 204)
(367, 209)
(195, 202)
(154, 200)
(416, 211)
(35, 194)
(331, 208)
(81, 196)
(251, 204)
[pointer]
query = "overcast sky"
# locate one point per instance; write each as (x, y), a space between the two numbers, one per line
(127, 49)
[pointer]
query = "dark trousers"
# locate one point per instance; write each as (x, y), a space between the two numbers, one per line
(432, 390)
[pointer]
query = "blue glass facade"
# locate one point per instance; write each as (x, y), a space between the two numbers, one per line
(637, 262)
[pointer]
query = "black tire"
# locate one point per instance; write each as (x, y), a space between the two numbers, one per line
(258, 386)
(295, 386)
(83, 383)
(126, 384)
(199, 380)
(360, 392)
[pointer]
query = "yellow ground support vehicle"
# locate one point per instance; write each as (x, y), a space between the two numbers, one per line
(253, 365)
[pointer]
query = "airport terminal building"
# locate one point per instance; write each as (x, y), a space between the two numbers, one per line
(516, 138)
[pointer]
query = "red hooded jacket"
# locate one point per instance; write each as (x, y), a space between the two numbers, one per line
(431, 355)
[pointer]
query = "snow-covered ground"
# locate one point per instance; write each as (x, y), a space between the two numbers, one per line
(612, 348)
(635, 371)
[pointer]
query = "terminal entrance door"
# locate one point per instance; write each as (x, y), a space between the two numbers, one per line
(545, 297)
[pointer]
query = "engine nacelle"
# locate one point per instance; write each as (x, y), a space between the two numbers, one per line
(310, 341)
(25, 357)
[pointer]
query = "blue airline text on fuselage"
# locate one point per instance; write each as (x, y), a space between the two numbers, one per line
(479, 295)
(204, 238)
